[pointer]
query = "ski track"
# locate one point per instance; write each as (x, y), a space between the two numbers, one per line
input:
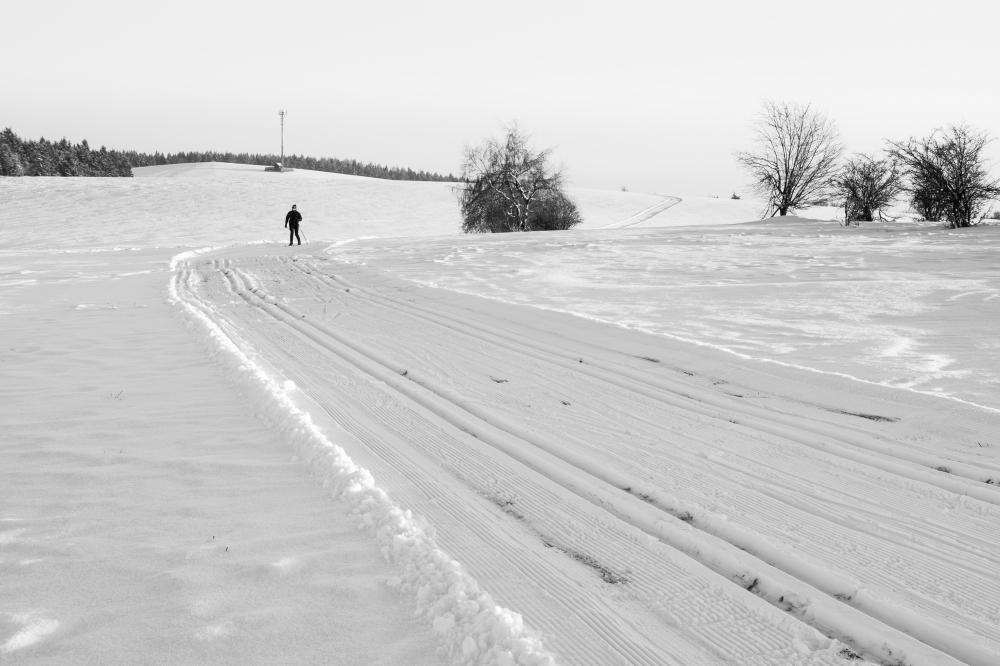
(617, 642)
(842, 530)
(645, 214)
(472, 628)
(829, 538)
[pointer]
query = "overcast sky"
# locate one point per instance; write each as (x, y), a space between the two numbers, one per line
(655, 96)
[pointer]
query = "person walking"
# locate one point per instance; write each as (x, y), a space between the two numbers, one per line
(292, 220)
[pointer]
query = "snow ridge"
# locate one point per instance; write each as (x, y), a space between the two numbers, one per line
(471, 626)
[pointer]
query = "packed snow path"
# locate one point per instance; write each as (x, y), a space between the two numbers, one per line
(636, 500)
(645, 214)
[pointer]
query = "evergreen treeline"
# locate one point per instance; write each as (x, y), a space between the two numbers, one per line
(19, 157)
(329, 164)
(58, 158)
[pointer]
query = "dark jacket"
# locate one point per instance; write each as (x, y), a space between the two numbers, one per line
(293, 218)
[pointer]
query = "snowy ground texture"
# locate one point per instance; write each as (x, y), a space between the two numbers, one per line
(671, 436)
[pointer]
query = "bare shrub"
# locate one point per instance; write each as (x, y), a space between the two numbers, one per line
(868, 185)
(948, 174)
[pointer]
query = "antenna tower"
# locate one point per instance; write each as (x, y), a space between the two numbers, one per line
(281, 114)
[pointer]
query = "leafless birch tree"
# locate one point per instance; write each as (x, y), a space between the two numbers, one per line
(795, 161)
(509, 187)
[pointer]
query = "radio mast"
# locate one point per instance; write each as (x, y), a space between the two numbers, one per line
(281, 114)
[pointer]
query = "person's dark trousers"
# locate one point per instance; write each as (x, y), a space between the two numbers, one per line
(293, 232)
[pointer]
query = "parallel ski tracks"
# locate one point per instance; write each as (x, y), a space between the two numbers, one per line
(560, 529)
(618, 639)
(838, 439)
(985, 570)
(925, 466)
(885, 614)
(492, 429)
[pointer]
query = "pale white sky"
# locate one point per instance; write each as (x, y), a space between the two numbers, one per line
(652, 95)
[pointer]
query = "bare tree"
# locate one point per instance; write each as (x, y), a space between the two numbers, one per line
(948, 172)
(795, 161)
(868, 185)
(509, 187)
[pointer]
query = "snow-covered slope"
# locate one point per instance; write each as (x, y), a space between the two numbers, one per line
(211, 203)
(652, 443)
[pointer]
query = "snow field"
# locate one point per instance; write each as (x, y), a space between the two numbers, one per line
(833, 618)
(208, 204)
(147, 516)
(764, 443)
(581, 648)
(309, 294)
(882, 305)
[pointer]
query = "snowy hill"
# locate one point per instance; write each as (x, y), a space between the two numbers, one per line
(213, 203)
(675, 435)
